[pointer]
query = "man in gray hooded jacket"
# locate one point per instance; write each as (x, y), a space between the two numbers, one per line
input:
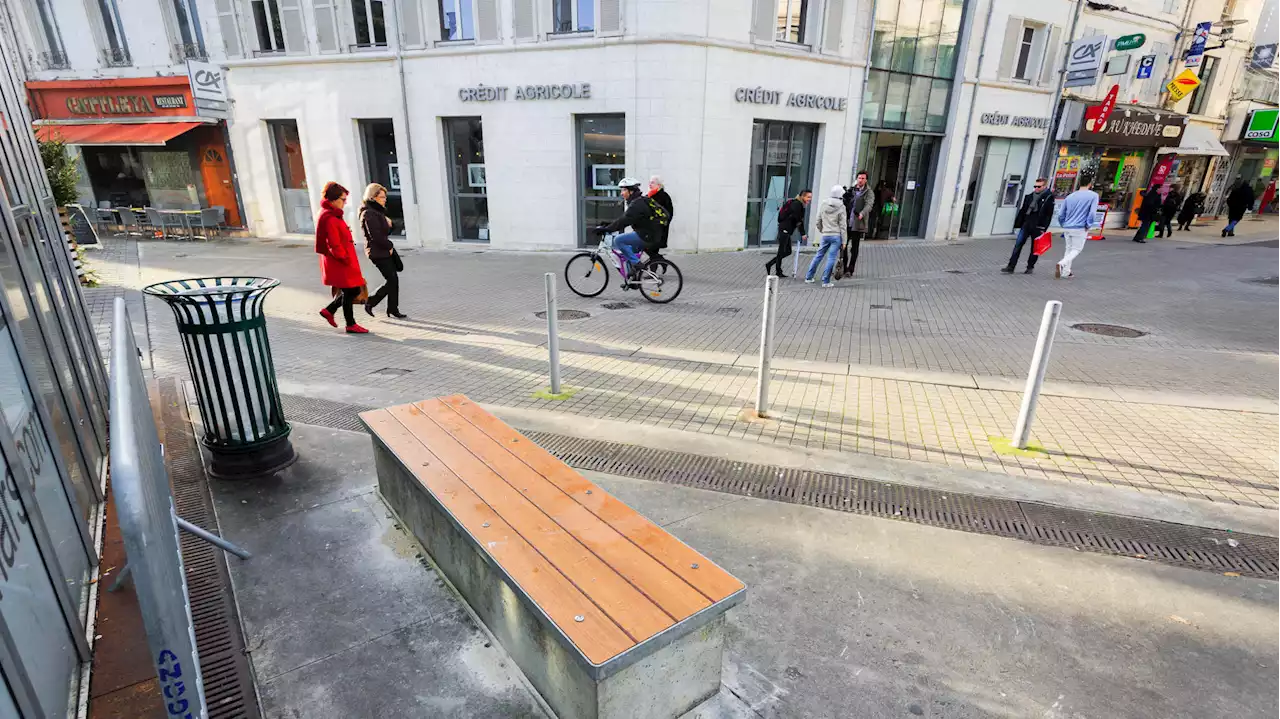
(833, 228)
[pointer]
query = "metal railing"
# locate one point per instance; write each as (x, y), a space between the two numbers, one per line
(189, 51)
(116, 57)
(54, 60)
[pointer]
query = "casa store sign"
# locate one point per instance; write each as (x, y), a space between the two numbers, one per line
(1133, 128)
(89, 99)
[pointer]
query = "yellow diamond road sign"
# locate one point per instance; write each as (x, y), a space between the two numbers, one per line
(1185, 82)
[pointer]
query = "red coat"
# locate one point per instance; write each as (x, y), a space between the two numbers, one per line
(339, 264)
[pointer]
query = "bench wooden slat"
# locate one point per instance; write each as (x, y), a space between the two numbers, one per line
(639, 617)
(664, 588)
(709, 579)
(597, 637)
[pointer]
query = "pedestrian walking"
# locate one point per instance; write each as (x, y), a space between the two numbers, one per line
(1075, 217)
(339, 263)
(1191, 208)
(658, 193)
(1148, 213)
(376, 227)
(1033, 218)
(857, 204)
(833, 227)
(1168, 211)
(790, 218)
(1268, 197)
(1239, 202)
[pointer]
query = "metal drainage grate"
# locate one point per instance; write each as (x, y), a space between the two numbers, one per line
(728, 310)
(881, 307)
(608, 306)
(956, 272)
(391, 372)
(1177, 544)
(564, 314)
(1273, 281)
(900, 299)
(1107, 330)
(224, 666)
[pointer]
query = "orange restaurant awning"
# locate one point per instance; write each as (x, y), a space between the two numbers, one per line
(144, 133)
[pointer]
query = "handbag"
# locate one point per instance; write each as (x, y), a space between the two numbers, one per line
(1042, 244)
(360, 298)
(398, 263)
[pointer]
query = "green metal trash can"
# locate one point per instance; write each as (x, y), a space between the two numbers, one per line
(224, 337)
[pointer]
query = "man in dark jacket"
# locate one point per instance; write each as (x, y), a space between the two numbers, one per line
(1192, 207)
(790, 218)
(1239, 202)
(857, 204)
(658, 193)
(1148, 212)
(1168, 211)
(1033, 218)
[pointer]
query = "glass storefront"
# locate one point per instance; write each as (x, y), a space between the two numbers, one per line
(1118, 173)
(781, 167)
(899, 168)
(602, 153)
(997, 181)
(379, 140)
(468, 187)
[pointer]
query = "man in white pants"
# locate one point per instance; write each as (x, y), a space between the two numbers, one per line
(1076, 216)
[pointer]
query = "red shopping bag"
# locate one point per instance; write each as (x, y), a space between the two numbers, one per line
(1042, 244)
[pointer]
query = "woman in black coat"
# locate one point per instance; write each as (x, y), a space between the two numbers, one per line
(1190, 210)
(1148, 213)
(376, 227)
(1239, 202)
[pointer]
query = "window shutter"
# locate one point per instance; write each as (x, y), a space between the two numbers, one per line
(831, 29)
(608, 17)
(227, 25)
(764, 21)
(326, 25)
(524, 19)
(1153, 85)
(487, 21)
(295, 34)
(409, 14)
(1052, 53)
(1009, 53)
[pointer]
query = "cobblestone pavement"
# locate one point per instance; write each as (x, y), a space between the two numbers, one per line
(914, 309)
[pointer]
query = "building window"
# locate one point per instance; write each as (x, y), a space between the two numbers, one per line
(791, 20)
(266, 21)
(189, 40)
(116, 52)
(457, 20)
(1200, 95)
(468, 184)
(1023, 70)
(53, 56)
(573, 16)
(370, 21)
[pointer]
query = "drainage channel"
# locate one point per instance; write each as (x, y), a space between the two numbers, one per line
(1181, 545)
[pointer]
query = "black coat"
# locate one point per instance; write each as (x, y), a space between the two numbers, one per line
(638, 218)
(664, 201)
(377, 230)
(1239, 201)
(790, 216)
(1192, 207)
(1172, 203)
(1150, 208)
(1036, 212)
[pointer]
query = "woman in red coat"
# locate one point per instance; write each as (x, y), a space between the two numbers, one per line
(339, 263)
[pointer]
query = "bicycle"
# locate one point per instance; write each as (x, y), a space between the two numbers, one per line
(657, 278)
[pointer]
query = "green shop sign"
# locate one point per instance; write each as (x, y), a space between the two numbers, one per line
(1131, 42)
(1261, 126)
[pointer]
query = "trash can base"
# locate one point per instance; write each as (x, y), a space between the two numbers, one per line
(263, 461)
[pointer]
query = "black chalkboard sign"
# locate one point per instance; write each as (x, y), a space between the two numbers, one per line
(82, 228)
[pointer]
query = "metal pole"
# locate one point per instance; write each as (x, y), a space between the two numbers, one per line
(212, 538)
(766, 344)
(1039, 363)
(553, 335)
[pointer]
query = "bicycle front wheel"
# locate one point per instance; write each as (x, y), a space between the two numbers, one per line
(586, 274)
(661, 281)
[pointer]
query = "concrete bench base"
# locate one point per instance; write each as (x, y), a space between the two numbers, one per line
(661, 678)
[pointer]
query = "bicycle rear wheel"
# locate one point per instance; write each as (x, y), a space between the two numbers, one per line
(586, 274)
(661, 281)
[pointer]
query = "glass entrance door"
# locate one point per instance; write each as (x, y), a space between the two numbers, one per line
(781, 166)
(602, 153)
(902, 167)
(294, 201)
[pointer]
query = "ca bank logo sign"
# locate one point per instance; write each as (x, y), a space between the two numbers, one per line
(208, 81)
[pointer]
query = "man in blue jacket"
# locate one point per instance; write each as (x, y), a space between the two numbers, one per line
(1075, 217)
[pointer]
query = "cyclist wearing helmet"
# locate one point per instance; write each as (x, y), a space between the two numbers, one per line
(645, 218)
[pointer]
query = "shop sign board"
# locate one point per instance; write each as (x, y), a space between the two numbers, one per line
(1195, 54)
(1097, 116)
(1130, 42)
(1134, 128)
(1146, 65)
(209, 89)
(555, 91)
(1261, 126)
(1117, 65)
(1000, 119)
(1182, 85)
(1085, 60)
(1263, 57)
(110, 98)
(764, 96)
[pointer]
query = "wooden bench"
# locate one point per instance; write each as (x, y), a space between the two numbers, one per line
(606, 613)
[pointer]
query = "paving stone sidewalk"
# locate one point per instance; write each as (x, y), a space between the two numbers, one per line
(472, 330)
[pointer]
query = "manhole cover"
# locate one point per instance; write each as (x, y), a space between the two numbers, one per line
(610, 306)
(564, 314)
(1107, 330)
(881, 307)
(391, 371)
(956, 272)
(728, 310)
(900, 299)
(1273, 281)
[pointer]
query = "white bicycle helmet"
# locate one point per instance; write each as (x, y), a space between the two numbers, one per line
(631, 182)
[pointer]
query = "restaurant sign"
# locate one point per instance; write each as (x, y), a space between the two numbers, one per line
(1134, 128)
(114, 98)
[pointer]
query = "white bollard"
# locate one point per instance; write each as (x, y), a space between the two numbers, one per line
(766, 344)
(1039, 364)
(553, 335)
